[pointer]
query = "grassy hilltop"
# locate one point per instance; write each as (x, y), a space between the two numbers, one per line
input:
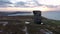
(52, 25)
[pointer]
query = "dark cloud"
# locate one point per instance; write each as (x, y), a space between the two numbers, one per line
(4, 3)
(24, 4)
(19, 4)
(51, 6)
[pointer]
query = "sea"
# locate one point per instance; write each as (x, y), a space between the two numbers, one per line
(55, 15)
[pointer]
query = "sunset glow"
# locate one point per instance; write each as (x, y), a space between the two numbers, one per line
(23, 9)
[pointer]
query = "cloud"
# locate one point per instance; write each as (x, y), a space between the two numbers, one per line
(23, 3)
(32, 3)
(27, 4)
(49, 2)
(20, 4)
(4, 3)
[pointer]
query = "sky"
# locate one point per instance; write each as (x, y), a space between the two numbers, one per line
(29, 5)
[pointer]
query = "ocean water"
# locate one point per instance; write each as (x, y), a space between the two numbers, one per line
(55, 15)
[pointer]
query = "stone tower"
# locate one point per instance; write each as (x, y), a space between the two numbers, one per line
(37, 16)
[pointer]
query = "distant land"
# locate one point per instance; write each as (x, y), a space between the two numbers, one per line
(17, 13)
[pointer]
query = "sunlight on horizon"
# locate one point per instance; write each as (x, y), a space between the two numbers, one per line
(23, 9)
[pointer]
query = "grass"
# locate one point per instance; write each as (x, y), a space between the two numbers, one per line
(52, 25)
